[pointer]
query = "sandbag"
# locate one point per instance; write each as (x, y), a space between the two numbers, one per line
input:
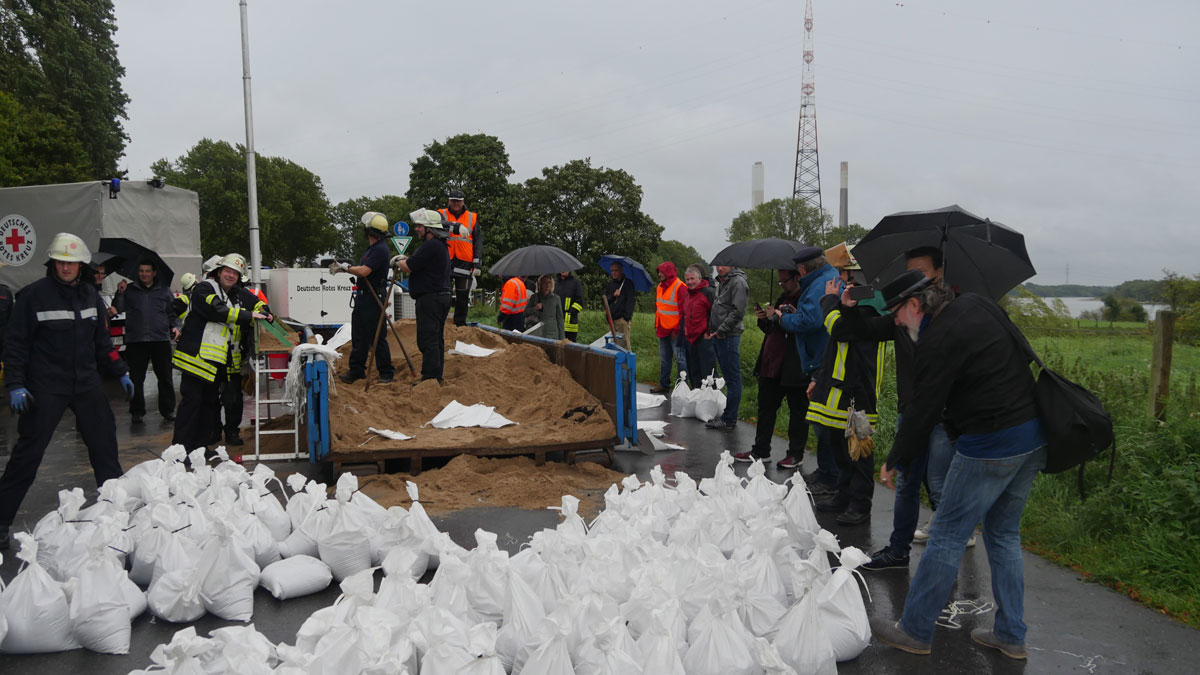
(164, 520)
(523, 615)
(680, 396)
(843, 613)
(295, 577)
(100, 614)
(482, 647)
(801, 639)
(35, 607)
(346, 545)
(722, 646)
(229, 575)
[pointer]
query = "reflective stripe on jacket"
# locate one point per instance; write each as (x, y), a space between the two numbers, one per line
(851, 372)
(571, 310)
(205, 343)
(462, 245)
(514, 297)
(666, 314)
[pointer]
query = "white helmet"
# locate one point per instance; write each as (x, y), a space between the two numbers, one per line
(235, 262)
(187, 281)
(429, 219)
(69, 248)
(211, 264)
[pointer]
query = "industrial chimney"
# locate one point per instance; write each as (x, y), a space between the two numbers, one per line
(756, 185)
(843, 216)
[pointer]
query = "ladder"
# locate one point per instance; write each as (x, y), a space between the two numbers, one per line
(262, 399)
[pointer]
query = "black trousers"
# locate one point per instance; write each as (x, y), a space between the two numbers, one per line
(855, 477)
(157, 354)
(513, 322)
(199, 408)
(363, 322)
(771, 394)
(231, 402)
(95, 422)
(462, 299)
(432, 309)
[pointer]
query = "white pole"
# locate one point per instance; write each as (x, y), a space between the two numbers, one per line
(251, 177)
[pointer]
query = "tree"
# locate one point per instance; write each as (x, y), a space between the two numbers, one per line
(587, 212)
(792, 219)
(851, 234)
(677, 252)
(58, 57)
(478, 165)
(293, 212)
(347, 218)
(36, 148)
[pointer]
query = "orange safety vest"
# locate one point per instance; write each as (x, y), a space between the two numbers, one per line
(514, 297)
(462, 246)
(666, 315)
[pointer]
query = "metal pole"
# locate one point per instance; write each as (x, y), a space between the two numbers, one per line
(251, 177)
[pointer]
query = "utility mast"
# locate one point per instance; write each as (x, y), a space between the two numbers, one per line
(807, 183)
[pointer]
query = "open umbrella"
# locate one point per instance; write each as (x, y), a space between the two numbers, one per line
(535, 260)
(130, 252)
(760, 254)
(979, 255)
(642, 281)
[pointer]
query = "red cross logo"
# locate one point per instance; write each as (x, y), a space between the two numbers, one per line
(14, 240)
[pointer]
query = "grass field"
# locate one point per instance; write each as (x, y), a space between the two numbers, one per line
(1139, 533)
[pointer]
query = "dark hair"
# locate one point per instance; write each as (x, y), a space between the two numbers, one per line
(932, 252)
(147, 260)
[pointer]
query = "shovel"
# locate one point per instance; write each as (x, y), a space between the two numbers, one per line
(383, 317)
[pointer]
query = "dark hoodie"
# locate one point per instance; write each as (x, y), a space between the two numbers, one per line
(669, 276)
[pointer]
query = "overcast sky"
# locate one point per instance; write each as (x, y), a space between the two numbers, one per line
(1073, 121)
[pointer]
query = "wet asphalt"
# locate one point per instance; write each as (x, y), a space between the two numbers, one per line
(1074, 626)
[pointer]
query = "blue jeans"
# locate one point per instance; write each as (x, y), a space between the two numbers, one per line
(671, 350)
(729, 355)
(701, 360)
(907, 509)
(993, 491)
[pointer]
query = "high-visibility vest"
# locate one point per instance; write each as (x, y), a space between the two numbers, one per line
(514, 297)
(666, 315)
(462, 246)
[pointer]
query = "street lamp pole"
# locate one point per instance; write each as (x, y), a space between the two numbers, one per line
(251, 176)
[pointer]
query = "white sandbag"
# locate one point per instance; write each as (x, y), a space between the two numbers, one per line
(399, 591)
(346, 544)
(303, 539)
(163, 520)
(611, 657)
(135, 598)
(305, 497)
(175, 596)
(59, 535)
(295, 577)
(99, 611)
(181, 656)
(660, 647)
(240, 649)
(482, 647)
(843, 612)
(396, 534)
(35, 607)
(709, 403)
(801, 638)
(523, 615)
(769, 659)
(489, 569)
(722, 646)
(229, 575)
(268, 509)
(765, 492)
(680, 395)
(802, 523)
(552, 657)
(421, 526)
(264, 547)
(449, 589)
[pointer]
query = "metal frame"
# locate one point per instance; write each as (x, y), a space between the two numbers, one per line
(259, 364)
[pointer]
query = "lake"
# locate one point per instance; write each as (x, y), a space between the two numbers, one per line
(1077, 306)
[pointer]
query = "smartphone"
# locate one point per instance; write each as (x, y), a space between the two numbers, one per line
(758, 307)
(858, 293)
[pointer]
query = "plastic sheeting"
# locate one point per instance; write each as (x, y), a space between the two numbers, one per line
(456, 414)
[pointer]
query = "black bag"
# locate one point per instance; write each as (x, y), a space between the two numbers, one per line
(1076, 425)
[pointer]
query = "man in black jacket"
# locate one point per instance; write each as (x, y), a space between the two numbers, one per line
(57, 344)
(969, 366)
(621, 301)
(429, 284)
(570, 290)
(150, 326)
(372, 273)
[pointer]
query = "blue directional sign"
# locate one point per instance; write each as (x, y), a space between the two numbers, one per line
(400, 229)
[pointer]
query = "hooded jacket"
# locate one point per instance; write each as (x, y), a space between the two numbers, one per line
(670, 277)
(696, 310)
(729, 310)
(807, 323)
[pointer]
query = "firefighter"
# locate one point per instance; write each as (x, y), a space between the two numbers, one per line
(571, 291)
(429, 284)
(57, 344)
(205, 351)
(372, 273)
(240, 346)
(179, 305)
(466, 250)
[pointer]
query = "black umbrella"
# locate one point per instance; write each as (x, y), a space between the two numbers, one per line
(979, 255)
(105, 261)
(535, 260)
(130, 253)
(760, 254)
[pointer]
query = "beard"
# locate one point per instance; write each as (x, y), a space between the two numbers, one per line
(913, 333)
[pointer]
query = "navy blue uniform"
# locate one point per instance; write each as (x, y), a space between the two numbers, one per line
(56, 345)
(364, 319)
(429, 284)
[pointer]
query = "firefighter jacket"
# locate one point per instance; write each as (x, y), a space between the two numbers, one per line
(851, 371)
(514, 297)
(466, 245)
(240, 341)
(204, 347)
(57, 339)
(571, 291)
(180, 306)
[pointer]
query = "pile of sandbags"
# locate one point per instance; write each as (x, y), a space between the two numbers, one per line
(727, 575)
(705, 403)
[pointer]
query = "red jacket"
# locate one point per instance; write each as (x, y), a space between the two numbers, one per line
(668, 270)
(696, 307)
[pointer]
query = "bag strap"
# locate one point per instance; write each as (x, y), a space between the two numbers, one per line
(1014, 332)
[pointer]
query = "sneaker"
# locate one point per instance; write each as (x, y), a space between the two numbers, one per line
(820, 489)
(971, 541)
(350, 378)
(234, 440)
(788, 462)
(853, 516)
(885, 559)
(658, 389)
(747, 457)
(831, 504)
(988, 639)
(891, 634)
(718, 423)
(921, 535)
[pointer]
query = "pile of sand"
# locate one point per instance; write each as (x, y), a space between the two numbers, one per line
(472, 482)
(547, 404)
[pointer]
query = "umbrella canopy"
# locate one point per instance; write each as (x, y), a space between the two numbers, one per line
(760, 254)
(979, 255)
(642, 281)
(130, 252)
(535, 260)
(106, 261)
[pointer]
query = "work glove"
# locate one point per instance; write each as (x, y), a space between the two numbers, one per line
(335, 267)
(127, 385)
(20, 400)
(395, 261)
(475, 272)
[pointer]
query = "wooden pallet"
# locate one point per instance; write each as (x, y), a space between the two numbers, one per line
(416, 455)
